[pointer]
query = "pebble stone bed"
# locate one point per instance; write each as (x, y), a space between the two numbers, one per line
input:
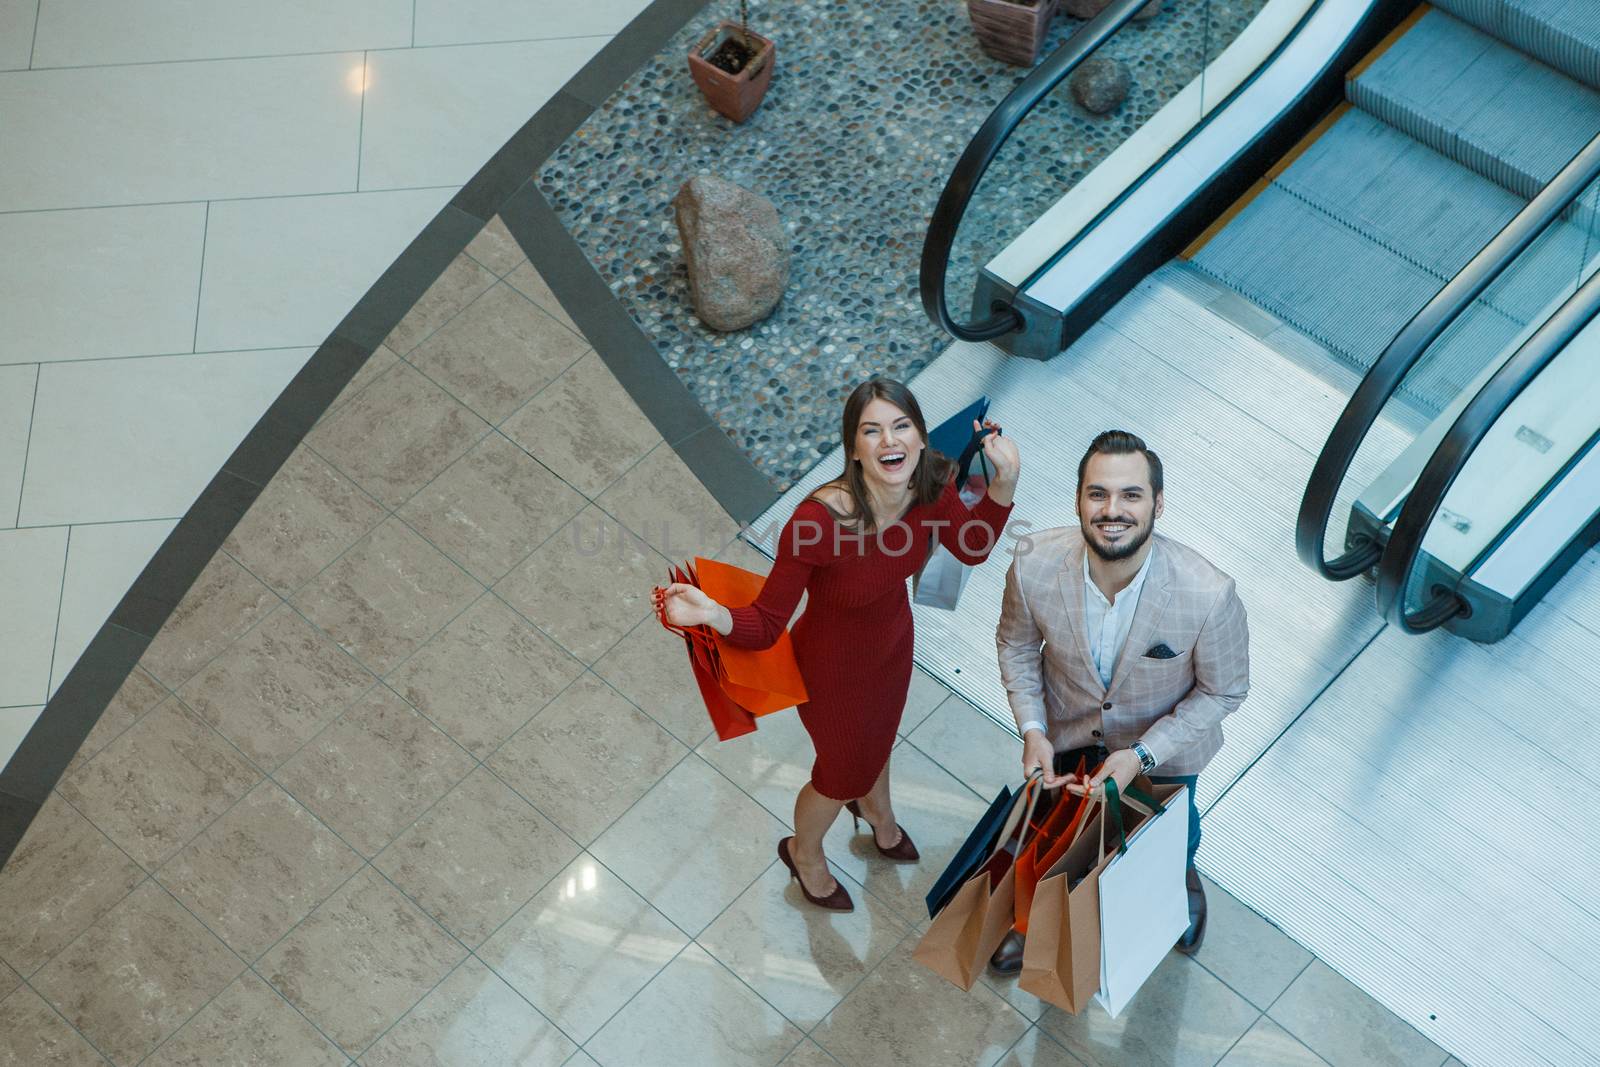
(870, 105)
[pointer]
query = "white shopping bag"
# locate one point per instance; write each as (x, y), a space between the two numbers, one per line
(939, 583)
(1144, 904)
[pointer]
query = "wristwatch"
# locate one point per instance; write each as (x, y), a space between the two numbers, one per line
(1147, 762)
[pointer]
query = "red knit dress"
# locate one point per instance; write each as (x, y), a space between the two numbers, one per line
(853, 642)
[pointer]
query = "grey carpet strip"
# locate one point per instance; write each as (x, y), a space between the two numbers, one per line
(1563, 33)
(1480, 102)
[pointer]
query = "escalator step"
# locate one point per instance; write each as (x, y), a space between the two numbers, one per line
(1562, 33)
(1482, 103)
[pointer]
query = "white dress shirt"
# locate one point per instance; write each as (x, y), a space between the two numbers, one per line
(1106, 624)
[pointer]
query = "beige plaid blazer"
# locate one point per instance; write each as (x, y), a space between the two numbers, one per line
(1175, 706)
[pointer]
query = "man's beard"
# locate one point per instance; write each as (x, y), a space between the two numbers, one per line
(1117, 552)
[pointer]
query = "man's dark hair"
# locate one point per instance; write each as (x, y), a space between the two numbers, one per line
(1122, 443)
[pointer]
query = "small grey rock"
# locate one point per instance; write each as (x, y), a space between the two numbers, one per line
(1088, 9)
(736, 251)
(1100, 85)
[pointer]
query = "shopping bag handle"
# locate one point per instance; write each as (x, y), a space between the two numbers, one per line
(1137, 799)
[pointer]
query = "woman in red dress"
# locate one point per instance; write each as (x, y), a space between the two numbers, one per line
(851, 546)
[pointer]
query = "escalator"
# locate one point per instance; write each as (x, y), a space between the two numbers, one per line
(1407, 239)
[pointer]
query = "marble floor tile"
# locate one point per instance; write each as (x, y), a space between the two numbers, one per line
(247, 1023)
(462, 282)
(386, 596)
(154, 789)
(119, 440)
(507, 20)
(651, 668)
(485, 675)
(982, 755)
(491, 508)
(360, 961)
(102, 562)
(224, 602)
(9, 980)
(581, 1058)
(1348, 1028)
(434, 115)
(582, 947)
(476, 857)
(496, 249)
(662, 501)
(132, 701)
(62, 877)
(695, 1011)
(17, 21)
(32, 563)
(16, 420)
(472, 1019)
(397, 435)
(770, 764)
(303, 519)
(591, 562)
(1037, 1049)
(33, 1035)
(935, 809)
(282, 271)
(1269, 1045)
(142, 264)
(166, 30)
(369, 775)
(497, 353)
(586, 758)
(584, 426)
(136, 975)
(68, 151)
(270, 691)
(801, 959)
(809, 1054)
(1182, 1016)
(1256, 959)
(529, 282)
(382, 359)
(903, 1015)
(925, 695)
(692, 845)
(259, 870)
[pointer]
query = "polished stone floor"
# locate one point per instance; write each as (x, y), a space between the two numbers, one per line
(412, 777)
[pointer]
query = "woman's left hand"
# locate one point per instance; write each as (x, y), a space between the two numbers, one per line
(1002, 454)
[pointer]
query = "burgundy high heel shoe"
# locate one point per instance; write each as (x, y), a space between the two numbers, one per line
(838, 900)
(902, 851)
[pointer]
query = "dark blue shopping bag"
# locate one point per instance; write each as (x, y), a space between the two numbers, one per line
(973, 852)
(954, 434)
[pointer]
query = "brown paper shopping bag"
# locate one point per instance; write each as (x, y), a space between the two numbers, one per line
(1061, 956)
(968, 929)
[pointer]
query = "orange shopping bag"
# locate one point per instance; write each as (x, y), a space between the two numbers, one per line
(1046, 847)
(736, 684)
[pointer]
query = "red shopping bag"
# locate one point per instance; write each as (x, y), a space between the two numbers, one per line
(737, 684)
(1057, 834)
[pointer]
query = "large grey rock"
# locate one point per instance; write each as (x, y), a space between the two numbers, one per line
(1088, 9)
(736, 250)
(1100, 85)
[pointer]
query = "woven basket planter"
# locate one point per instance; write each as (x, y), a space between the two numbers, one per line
(1013, 32)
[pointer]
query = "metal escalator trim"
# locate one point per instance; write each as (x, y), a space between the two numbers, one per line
(981, 152)
(1409, 346)
(1476, 420)
(1266, 179)
(1387, 43)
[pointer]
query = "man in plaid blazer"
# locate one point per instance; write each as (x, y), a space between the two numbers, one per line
(1121, 647)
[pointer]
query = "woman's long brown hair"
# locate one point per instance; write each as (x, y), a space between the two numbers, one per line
(933, 472)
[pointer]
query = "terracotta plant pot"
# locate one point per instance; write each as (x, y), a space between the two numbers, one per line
(734, 95)
(1009, 30)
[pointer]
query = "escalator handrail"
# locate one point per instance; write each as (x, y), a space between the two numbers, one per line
(981, 151)
(1408, 346)
(1404, 546)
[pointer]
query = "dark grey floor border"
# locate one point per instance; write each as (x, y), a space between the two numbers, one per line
(506, 186)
